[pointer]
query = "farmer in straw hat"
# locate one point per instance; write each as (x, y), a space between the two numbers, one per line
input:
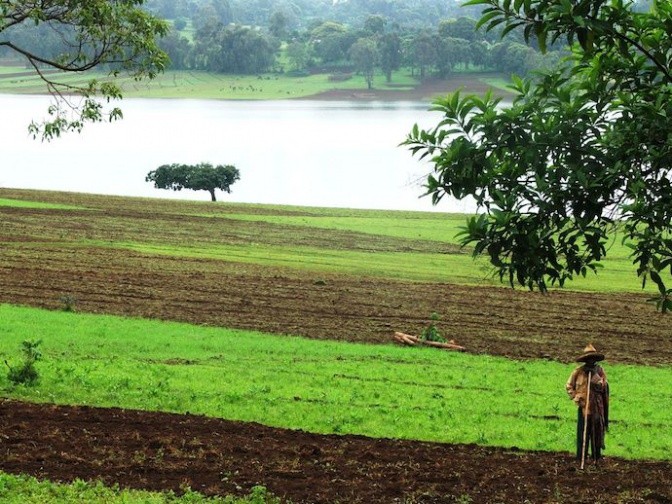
(593, 422)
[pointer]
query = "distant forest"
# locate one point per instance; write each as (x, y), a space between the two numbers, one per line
(431, 38)
(302, 14)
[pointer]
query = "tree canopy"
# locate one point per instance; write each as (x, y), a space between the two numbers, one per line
(259, 36)
(55, 36)
(364, 54)
(234, 49)
(199, 177)
(303, 12)
(583, 154)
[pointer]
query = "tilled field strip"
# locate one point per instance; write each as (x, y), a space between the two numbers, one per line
(159, 451)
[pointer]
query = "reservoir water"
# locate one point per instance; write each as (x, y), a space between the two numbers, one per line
(314, 153)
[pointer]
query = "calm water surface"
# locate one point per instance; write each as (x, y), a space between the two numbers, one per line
(337, 154)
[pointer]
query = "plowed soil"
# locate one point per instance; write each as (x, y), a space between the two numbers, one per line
(161, 451)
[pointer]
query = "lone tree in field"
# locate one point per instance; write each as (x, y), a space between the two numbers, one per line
(55, 36)
(582, 154)
(200, 177)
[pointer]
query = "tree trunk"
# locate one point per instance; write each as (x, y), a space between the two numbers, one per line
(212, 194)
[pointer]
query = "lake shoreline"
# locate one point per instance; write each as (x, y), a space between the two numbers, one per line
(300, 152)
(424, 91)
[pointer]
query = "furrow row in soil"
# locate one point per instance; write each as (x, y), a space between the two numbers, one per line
(160, 451)
(491, 320)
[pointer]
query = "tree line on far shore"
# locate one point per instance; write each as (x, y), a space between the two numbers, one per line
(430, 37)
(375, 44)
(298, 37)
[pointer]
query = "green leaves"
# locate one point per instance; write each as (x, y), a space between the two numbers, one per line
(664, 300)
(26, 373)
(119, 36)
(582, 151)
(199, 177)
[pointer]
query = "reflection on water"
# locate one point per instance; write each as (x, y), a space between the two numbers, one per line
(315, 153)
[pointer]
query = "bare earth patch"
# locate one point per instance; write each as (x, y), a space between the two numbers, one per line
(160, 451)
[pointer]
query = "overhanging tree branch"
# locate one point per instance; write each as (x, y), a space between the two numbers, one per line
(581, 154)
(115, 34)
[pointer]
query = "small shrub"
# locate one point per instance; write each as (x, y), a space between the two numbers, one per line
(259, 495)
(340, 77)
(431, 333)
(26, 373)
(69, 302)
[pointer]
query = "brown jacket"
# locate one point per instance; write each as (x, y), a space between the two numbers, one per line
(577, 386)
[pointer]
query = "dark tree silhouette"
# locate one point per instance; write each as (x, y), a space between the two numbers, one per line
(200, 177)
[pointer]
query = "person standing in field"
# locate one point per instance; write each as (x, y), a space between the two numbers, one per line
(597, 412)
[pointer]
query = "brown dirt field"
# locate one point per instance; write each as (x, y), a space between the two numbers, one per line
(492, 320)
(161, 451)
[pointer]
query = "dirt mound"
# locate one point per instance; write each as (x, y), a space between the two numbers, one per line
(160, 451)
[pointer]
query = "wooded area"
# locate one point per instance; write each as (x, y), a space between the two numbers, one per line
(430, 37)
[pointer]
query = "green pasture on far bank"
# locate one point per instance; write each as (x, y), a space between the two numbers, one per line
(325, 386)
(206, 85)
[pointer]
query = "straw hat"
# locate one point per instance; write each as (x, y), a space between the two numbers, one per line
(590, 354)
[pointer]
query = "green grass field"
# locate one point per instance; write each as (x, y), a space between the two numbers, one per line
(205, 85)
(33, 204)
(195, 84)
(616, 275)
(447, 263)
(324, 387)
(4, 70)
(331, 387)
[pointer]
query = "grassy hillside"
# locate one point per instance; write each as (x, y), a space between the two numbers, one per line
(412, 246)
(324, 387)
(250, 279)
